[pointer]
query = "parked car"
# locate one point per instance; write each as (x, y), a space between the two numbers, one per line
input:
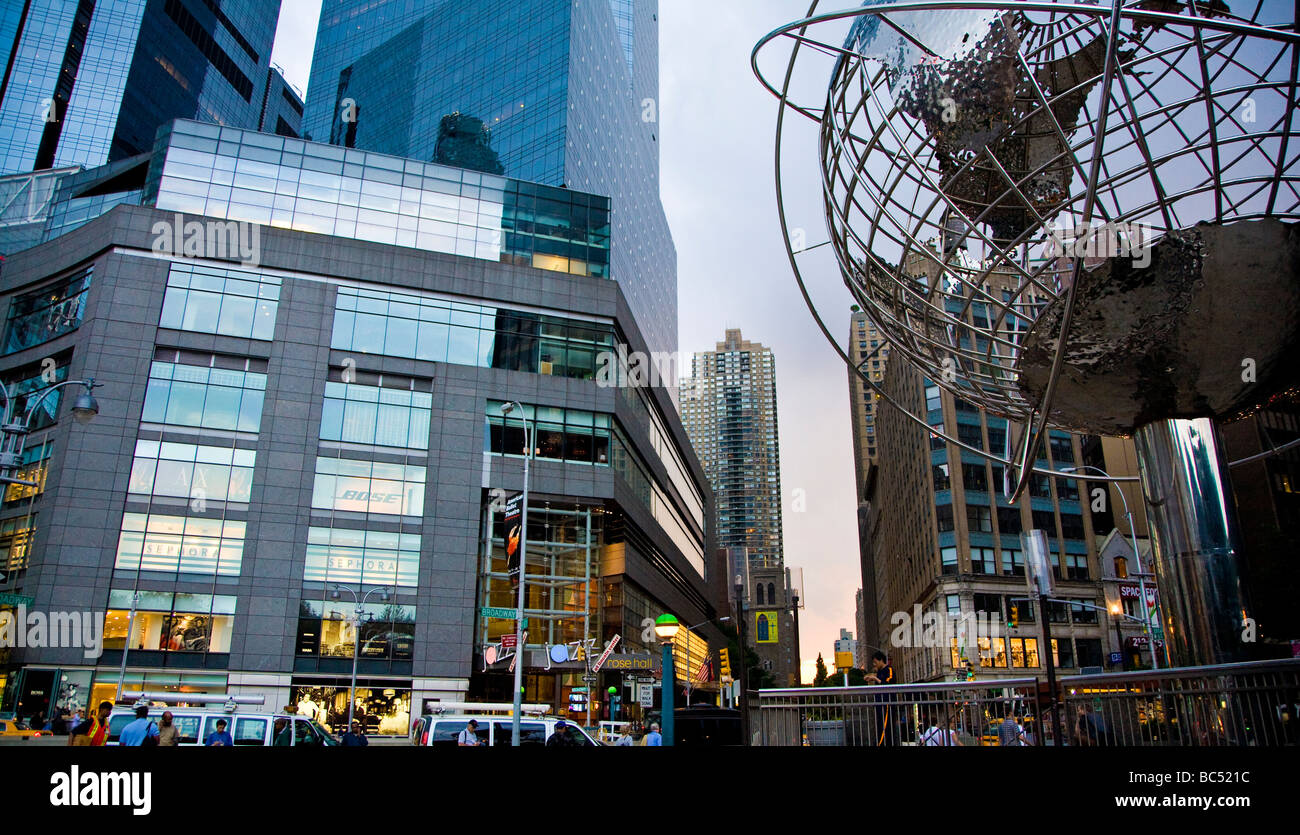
(246, 728)
(11, 729)
(442, 729)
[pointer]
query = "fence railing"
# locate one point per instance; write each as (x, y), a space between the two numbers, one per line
(940, 713)
(1253, 703)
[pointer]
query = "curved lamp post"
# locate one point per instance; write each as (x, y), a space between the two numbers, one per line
(356, 634)
(84, 409)
(666, 627)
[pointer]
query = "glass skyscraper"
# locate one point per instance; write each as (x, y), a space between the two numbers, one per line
(91, 81)
(568, 91)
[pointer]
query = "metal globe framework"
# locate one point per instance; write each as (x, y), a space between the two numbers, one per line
(980, 160)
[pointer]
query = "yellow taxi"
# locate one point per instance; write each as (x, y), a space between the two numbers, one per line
(13, 730)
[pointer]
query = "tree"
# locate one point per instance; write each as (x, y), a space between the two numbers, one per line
(857, 678)
(820, 679)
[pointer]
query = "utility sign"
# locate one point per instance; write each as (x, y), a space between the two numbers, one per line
(613, 642)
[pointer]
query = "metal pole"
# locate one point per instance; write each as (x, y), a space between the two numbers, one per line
(523, 574)
(667, 708)
(1119, 643)
(586, 621)
(1046, 619)
(356, 650)
(744, 664)
(126, 645)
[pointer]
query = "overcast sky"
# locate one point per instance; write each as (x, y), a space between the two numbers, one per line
(717, 127)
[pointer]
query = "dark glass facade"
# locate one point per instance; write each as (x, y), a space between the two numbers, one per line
(568, 92)
(91, 81)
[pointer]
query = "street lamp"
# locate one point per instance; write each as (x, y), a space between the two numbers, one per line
(1137, 563)
(356, 634)
(506, 409)
(666, 627)
(1117, 612)
(84, 410)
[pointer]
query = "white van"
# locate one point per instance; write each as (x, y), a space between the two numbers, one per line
(247, 728)
(442, 727)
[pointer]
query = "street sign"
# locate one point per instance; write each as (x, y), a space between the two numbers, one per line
(509, 641)
(590, 679)
(647, 695)
(7, 599)
(1116, 658)
(613, 642)
(496, 612)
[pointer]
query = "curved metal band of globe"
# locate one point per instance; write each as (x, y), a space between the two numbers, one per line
(821, 324)
(995, 392)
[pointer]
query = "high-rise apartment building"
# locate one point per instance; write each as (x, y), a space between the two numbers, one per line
(869, 352)
(729, 410)
(728, 407)
(567, 89)
(90, 81)
(945, 539)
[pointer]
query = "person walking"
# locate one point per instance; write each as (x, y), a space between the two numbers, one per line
(93, 731)
(355, 738)
(560, 738)
(219, 738)
(468, 738)
(936, 736)
(169, 735)
(654, 738)
(139, 732)
(1011, 733)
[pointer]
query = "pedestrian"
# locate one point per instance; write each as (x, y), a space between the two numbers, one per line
(654, 738)
(936, 736)
(59, 725)
(141, 732)
(1010, 732)
(93, 731)
(35, 722)
(561, 738)
(625, 740)
(355, 738)
(219, 737)
(169, 735)
(1085, 733)
(882, 673)
(468, 738)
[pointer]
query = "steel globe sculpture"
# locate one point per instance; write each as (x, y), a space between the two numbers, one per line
(1076, 216)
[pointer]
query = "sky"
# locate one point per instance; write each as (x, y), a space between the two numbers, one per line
(717, 176)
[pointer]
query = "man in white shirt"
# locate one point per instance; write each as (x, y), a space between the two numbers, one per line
(469, 737)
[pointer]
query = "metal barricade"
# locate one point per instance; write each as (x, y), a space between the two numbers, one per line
(1253, 703)
(939, 713)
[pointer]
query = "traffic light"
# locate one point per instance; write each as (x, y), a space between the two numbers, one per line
(970, 670)
(1015, 617)
(725, 665)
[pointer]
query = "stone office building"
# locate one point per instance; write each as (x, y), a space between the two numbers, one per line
(325, 418)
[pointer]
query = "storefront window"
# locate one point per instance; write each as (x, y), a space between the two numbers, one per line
(382, 707)
(356, 557)
(16, 541)
(170, 622)
(368, 487)
(180, 544)
(325, 628)
(190, 471)
(34, 466)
